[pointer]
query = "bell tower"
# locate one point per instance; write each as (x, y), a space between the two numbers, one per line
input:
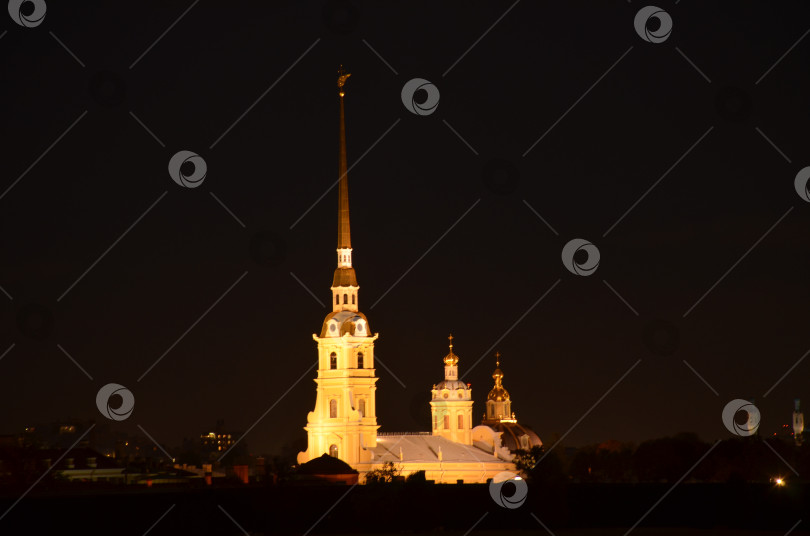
(451, 403)
(344, 421)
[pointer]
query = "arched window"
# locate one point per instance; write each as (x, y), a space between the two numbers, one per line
(333, 408)
(361, 407)
(359, 359)
(461, 422)
(337, 299)
(333, 451)
(447, 422)
(345, 298)
(333, 360)
(352, 299)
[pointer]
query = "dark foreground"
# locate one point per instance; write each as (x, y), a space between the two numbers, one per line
(572, 510)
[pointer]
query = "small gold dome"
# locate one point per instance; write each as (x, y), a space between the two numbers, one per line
(451, 359)
(498, 393)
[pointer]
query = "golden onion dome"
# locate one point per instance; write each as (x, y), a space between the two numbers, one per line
(498, 393)
(451, 359)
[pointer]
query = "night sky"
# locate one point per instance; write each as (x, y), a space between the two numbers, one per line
(698, 101)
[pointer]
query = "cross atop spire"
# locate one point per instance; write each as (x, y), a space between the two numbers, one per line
(451, 359)
(498, 374)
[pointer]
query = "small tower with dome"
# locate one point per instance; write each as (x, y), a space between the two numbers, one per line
(500, 417)
(499, 405)
(344, 421)
(451, 403)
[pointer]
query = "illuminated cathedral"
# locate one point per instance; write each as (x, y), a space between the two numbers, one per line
(344, 421)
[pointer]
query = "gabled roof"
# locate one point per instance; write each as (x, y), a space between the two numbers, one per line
(425, 448)
(325, 465)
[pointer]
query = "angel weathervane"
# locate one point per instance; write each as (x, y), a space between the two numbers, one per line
(342, 76)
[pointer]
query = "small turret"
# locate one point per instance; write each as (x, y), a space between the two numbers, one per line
(451, 403)
(499, 405)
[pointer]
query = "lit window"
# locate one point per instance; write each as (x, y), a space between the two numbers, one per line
(333, 408)
(333, 360)
(461, 422)
(447, 422)
(360, 360)
(333, 450)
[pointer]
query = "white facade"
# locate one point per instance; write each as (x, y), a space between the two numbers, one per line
(344, 421)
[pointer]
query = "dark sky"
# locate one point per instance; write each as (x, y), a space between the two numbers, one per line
(640, 119)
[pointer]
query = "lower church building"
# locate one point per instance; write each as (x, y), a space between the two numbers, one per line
(344, 421)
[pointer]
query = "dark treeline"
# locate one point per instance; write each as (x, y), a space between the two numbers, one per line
(668, 459)
(678, 481)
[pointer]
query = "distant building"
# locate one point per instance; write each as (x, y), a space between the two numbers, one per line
(214, 444)
(798, 422)
(57, 434)
(86, 465)
(76, 464)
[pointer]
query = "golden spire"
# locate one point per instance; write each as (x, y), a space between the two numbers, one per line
(344, 234)
(345, 275)
(451, 358)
